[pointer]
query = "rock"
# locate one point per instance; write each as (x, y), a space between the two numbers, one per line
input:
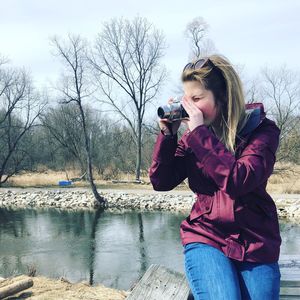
(122, 201)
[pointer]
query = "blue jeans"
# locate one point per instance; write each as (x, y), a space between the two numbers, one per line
(213, 276)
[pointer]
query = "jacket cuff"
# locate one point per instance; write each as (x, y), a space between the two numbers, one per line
(165, 148)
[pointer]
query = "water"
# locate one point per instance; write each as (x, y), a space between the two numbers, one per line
(114, 249)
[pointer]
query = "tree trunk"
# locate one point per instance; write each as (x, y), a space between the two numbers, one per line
(139, 153)
(15, 287)
(91, 181)
(100, 199)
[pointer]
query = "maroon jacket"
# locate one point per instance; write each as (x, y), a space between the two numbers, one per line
(232, 212)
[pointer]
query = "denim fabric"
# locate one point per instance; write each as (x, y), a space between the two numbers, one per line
(213, 276)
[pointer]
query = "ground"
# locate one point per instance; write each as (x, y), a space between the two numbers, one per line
(44, 288)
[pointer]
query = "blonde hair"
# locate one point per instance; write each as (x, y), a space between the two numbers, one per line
(225, 84)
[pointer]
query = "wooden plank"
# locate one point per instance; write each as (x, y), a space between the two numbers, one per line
(289, 268)
(289, 283)
(290, 260)
(160, 283)
(290, 291)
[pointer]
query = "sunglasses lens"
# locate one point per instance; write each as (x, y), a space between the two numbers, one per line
(199, 64)
(188, 66)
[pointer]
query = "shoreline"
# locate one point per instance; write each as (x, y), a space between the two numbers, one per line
(288, 205)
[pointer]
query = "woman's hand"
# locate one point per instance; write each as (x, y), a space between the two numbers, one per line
(167, 126)
(195, 114)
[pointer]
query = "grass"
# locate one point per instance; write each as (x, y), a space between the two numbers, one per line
(49, 178)
(45, 288)
(284, 180)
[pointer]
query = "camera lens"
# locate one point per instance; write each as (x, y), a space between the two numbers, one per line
(161, 112)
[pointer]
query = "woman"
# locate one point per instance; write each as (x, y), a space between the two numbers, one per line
(231, 238)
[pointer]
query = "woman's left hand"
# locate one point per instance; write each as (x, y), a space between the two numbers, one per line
(195, 114)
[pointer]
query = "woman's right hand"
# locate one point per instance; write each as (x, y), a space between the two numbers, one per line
(168, 127)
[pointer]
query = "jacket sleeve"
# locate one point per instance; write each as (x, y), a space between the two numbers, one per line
(168, 168)
(237, 177)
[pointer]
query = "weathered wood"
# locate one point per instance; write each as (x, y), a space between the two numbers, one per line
(290, 291)
(15, 287)
(158, 283)
(289, 283)
(161, 283)
(290, 270)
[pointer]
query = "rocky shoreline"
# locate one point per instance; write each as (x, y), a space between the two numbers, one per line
(288, 205)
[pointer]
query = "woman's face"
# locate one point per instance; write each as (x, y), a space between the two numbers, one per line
(203, 99)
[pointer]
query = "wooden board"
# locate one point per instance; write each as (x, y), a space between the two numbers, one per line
(290, 277)
(158, 283)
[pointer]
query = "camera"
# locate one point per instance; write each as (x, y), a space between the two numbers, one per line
(173, 111)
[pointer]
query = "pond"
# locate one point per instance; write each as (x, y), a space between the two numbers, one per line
(114, 249)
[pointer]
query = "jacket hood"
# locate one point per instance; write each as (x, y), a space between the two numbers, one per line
(255, 114)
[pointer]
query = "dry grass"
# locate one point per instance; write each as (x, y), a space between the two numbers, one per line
(44, 288)
(49, 178)
(285, 180)
(45, 178)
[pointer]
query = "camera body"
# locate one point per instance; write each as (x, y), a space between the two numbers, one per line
(173, 112)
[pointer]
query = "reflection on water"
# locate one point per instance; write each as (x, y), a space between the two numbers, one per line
(114, 249)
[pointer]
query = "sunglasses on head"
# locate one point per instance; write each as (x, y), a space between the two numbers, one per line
(198, 64)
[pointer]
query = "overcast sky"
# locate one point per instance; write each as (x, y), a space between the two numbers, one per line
(250, 33)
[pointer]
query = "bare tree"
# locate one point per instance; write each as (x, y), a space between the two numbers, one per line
(65, 127)
(75, 88)
(196, 32)
(20, 107)
(281, 91)
(126, 61)
(253, 91)
(7, 79)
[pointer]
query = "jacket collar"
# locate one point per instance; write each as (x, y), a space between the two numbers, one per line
(255, 114)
